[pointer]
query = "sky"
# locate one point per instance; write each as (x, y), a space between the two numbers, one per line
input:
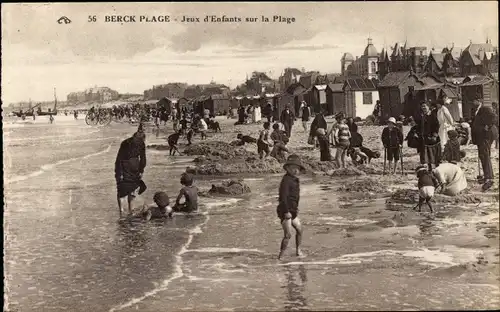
(39, 54)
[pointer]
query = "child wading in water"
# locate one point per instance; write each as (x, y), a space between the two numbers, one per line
(288, 207)
(190, 194)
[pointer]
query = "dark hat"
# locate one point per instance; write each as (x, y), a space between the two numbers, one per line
(462, 154)
(294, 160)
(161, 199)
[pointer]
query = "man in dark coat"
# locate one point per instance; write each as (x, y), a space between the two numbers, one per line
(484, 132)
(129, 167)
(287, 119)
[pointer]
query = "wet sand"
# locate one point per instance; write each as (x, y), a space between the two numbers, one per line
(65, 250)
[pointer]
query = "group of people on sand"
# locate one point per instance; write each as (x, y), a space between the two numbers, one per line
(433, 134)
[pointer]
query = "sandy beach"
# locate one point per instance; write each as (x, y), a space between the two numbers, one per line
(65, 250)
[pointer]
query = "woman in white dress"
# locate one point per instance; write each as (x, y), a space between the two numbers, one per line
(257, 113)
(445, 122)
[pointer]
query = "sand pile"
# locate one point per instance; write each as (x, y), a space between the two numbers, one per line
(371, 168)
(410, 196)
(230, 187)
(219, 149)
(346, 172)
(212, 166)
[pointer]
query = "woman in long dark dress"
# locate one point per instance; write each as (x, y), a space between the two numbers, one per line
(129, 167)
(427, 128)
(318, 122)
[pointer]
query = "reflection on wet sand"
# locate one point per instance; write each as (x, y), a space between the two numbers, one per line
(296, 300)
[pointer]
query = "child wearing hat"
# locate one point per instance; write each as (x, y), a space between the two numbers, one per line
(189, 192)
(451, 151)
(392, 139)
(324, 145)
(288, 206)
(160, 209)
(427, 185)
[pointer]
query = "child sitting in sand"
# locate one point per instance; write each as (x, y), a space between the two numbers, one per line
(280, 140)
(288, 207)
(427, 185)
(189, 193)
(357, 156)
(160, 209)
(173, 139)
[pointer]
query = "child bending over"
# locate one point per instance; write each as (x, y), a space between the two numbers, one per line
(172, 142)
(427, 185)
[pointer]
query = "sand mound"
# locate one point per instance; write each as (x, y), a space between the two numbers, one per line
(216, 148)
(230, 187)
(371, 169)
(346, 172)
(410, 196)
(236, 165)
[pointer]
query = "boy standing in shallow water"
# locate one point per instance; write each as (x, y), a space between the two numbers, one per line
(288, 207)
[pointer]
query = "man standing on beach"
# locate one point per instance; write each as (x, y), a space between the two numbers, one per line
(484, 132)
(287, 119)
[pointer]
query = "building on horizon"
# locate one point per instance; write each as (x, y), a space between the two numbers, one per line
(95, 94)
(365, 66)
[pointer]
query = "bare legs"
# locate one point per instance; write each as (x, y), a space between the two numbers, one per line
(128, 200)
(287, 225)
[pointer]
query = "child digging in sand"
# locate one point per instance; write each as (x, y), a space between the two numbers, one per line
(288, 207)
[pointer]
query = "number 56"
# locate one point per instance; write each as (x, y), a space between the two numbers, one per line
(92, 19)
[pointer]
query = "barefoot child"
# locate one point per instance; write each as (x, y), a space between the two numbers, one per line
(263, 142)
(190, 194)
(392, 138)
(343, 137)
(173, 139)
(288, 207)
(427, 184)
(160, 209)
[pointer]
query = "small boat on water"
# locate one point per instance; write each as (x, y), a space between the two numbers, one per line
(31, 110)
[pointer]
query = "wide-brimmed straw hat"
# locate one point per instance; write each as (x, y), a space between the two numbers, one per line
(392, 119)
(294, 160)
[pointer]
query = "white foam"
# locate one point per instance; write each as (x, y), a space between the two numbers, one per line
(224, 250)
(446, 257)
(49, 167)
(178, 272)
(471, 220)
(336, 220)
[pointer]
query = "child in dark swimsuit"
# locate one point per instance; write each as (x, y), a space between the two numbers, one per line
(189, 192)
